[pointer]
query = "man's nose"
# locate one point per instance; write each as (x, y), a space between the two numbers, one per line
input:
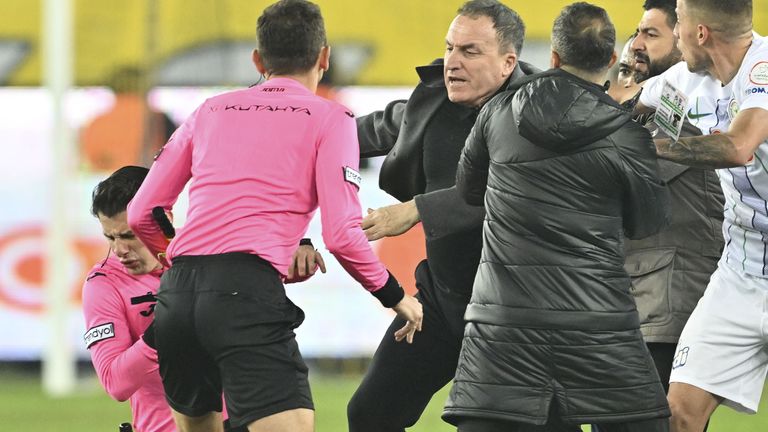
(638, 43)
(450, 60)
(121, 247)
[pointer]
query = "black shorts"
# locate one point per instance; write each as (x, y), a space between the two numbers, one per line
(224, 322)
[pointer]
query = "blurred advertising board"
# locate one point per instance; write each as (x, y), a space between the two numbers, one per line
(342, 319)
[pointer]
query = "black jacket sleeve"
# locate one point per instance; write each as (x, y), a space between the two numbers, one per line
(472, 172)
(443, 212)
(377, 132)
(646, 197)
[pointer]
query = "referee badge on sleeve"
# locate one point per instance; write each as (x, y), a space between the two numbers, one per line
(352, 176)
(99, 333)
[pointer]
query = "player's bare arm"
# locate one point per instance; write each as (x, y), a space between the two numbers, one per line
(734, 148)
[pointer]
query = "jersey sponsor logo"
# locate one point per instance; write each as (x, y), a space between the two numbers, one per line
(756, 90)
(273, 89)
(733, 109)
(352, 176)
(99, 333)
(759, 73)
(698, 114)
(260, 108)
(146, 298)
(681, 357)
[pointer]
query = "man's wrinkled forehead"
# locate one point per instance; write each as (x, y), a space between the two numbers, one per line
(467, 31)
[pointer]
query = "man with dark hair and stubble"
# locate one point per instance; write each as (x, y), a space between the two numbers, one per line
(422, 139)
(670, 270)
(655, 46)
(552, 335)
(260, 161)
(721, 356)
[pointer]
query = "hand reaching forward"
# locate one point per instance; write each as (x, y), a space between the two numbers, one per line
(391, 220)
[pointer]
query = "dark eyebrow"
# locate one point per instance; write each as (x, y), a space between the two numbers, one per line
(648, 29)
(124, 234)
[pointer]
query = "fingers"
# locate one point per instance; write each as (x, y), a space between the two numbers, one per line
(320, 262)
(408, 331)
(372, 234)
(403, 332)
(302, 266)
(292, 269)
(367, 222)
(370, 227)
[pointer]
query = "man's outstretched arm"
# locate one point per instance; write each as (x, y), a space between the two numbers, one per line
(735, 148)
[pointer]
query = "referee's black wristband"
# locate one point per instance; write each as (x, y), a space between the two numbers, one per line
(391, 293)
(306, 242)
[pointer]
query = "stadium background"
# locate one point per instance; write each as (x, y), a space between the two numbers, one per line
(191, 49)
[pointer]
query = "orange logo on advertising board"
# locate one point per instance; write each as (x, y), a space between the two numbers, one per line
(22, 267)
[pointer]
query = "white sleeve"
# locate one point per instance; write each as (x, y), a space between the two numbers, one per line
(651, 94)
(755, 84)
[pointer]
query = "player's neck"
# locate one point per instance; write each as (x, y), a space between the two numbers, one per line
(308, 79)
(727, 57)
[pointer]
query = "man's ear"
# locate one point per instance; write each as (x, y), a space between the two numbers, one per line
(554, 61)
(258, 62)
(703, 34)
(613, 59)
(324, 58)
(510, 61)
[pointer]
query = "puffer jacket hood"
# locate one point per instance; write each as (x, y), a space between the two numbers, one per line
(576, 116)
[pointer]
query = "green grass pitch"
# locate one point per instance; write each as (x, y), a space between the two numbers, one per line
(23, 407)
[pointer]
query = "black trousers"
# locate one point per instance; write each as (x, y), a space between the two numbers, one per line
(402, 378)
(663, 354)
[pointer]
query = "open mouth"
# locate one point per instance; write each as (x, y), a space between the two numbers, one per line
(641, 60)
(454, 80)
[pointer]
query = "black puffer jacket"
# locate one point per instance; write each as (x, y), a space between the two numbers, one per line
(565, 174)
(563, 188)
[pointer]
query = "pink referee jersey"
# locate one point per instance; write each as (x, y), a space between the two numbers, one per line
(261, 160)
(126, 366)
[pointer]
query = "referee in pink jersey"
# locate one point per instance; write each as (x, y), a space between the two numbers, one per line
(259, 161)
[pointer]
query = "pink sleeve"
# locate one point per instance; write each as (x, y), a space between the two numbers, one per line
(337, 179)
(167, 177)
(122, 365)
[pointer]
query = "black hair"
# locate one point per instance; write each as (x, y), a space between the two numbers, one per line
(290, 35)
(584, 37)
(510, 29)
(666, 6)
(112, 195)
(731, 17)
